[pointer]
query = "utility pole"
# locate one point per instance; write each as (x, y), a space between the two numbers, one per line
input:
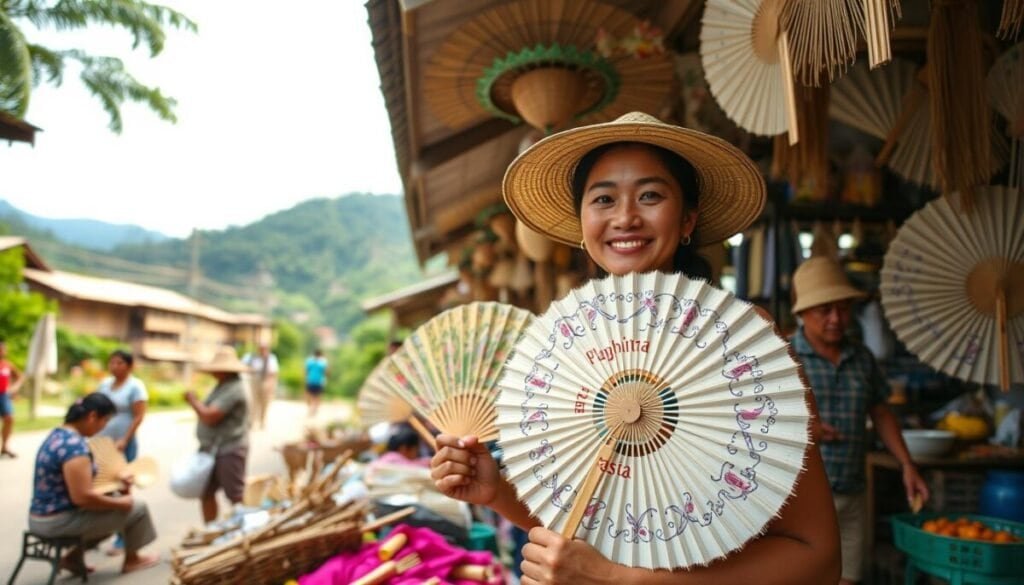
(190, 323)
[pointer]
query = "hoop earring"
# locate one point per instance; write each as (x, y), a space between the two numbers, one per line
(685, 240)
(583, 244)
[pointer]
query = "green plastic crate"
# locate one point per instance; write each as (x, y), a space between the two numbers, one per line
(959, 561)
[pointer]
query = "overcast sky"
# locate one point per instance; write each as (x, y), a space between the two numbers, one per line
(278, 102)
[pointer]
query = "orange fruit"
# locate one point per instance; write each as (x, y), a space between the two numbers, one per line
(1003, 536)
(987, 534)
(930, 526)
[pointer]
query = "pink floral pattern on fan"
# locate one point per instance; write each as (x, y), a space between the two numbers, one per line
(652, 313)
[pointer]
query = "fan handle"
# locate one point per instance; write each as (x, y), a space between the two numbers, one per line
(1004, 346)
(586, 491)
(424, 433)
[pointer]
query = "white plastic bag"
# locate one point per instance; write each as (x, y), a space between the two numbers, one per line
(190, 475)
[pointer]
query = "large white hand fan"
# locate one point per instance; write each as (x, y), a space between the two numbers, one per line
(111, 466)
(449, 366)
(1005, 83)
(953, 286)
(746, 64)
(670, 401)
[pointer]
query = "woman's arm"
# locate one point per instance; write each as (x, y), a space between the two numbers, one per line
(138, 413)
(208, 415)
(78, 477)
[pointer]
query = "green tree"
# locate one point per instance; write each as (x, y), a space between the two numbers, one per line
(23, 64)
(357, 357)
(19, 308)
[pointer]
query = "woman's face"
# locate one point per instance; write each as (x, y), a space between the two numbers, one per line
(118, 367)
(94, 423)
(633, 213)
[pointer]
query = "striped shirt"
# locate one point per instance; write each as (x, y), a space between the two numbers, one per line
(845, 394)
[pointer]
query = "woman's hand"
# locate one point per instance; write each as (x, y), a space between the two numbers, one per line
(464, 469)
(550, 559)
(121, 444)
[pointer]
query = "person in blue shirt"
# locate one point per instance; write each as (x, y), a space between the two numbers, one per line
(316, 378)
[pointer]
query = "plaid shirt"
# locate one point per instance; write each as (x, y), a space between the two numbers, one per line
(845, 393)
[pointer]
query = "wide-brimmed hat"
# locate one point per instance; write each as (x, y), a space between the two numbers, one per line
(821, 280)
(225, 360)
(538, 183)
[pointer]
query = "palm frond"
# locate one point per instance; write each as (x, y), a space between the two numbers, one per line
(47, 64)
(145, 21)
(16, 71)
(107, 79)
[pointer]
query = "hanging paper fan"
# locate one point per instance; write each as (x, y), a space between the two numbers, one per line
(111, 466)
(448, 368)
(871, 101)
(656, 417)
(891, 104)
(548, 63)
(953, 287)
(823, 34)
(377, 402)
(746, 64)
(1005, 87)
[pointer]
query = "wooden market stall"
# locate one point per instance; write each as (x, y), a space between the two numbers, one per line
(855, 136)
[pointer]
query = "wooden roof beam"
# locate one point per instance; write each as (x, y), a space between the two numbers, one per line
(445, 150)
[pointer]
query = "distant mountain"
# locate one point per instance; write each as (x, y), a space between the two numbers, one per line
(313, 264)
(88, 233)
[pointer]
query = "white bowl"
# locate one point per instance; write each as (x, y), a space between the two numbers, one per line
(928, 443)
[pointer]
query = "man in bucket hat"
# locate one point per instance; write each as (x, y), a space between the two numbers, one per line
(848, 387)
(223, 429)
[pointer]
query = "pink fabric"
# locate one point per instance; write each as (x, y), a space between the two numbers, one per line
(396, 458)
(437, 558)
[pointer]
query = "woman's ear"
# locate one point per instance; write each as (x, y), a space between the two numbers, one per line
(689, 222)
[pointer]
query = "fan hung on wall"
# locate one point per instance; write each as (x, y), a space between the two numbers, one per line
(746, 63)
(448, 368)
(656, 417)
(953, 287)
(1005, 83)
(891, 104)
(550, 64)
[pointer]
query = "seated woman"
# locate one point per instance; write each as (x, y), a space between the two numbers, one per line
(64, 503)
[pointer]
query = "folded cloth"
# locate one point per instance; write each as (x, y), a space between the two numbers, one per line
(437, 559)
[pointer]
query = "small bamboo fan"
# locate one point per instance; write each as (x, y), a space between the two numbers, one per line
(376, 402)
(111, 466)
(953, 287)
(656, 417)
(539, 61)
(1005, 83)
(823, 34)
(450, 366)
(745, 57)
(379, 401)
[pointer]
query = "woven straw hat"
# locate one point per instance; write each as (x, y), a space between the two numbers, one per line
(821, 280)
(538, 183)
(225, 360)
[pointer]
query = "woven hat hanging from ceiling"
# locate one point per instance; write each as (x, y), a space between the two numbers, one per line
(1005, 83)
(549, 64)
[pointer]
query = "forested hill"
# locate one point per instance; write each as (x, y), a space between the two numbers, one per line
(317, 260)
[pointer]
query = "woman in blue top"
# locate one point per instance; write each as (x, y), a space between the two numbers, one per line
(129, 396)
(64, 503)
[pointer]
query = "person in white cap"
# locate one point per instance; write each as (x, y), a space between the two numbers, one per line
(849, 387)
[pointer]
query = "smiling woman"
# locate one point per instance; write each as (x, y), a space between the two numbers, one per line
(640, 195)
